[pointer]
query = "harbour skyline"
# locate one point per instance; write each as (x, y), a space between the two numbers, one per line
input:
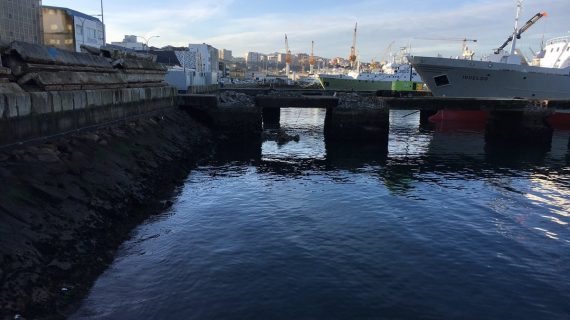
(256, 26)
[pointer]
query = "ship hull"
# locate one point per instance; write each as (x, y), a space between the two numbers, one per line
(477, 79)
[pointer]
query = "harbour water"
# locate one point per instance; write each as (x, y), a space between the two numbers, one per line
(439, 227)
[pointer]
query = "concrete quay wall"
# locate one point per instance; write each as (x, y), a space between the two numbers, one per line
(28, 115)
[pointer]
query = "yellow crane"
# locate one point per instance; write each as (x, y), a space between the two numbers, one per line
(312, 58)
(352, 56)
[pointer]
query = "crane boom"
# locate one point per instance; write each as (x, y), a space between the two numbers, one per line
(352, 56)
(520, 31)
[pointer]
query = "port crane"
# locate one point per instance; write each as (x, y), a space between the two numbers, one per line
(352, 56)
(312, 58)
(518, 32)
(287, 57)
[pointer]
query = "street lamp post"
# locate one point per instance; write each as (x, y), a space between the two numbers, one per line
(103, 21)
(147, 40)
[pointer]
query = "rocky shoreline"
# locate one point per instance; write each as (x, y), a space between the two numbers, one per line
(67, 204)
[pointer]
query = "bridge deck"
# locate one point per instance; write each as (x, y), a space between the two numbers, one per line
(414, 103)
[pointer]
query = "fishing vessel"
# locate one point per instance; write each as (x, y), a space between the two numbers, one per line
(369, 81)
(355, 80)
(502, 74)
(387, 78)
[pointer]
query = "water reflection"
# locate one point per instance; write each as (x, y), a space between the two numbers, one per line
(414, 154)
(432, 226)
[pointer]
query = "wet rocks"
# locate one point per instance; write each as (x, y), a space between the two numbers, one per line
(355, 101)
(231, 98)
(66, 205)
(280, 136)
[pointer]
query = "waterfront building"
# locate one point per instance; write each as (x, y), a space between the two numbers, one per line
(130, 42)
(199, 67)
(225, 55)
(254, 57)
(21, 20)
(68, 29)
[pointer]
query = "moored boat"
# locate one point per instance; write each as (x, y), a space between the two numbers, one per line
(503, 75)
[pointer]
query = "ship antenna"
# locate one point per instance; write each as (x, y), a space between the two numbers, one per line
(516, 31)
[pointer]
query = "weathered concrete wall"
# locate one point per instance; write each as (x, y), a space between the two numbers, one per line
(27, 115)
(519, 128)
(357, 124)
(296, 101)
(43, 68)
(235, 119)
(271, 118)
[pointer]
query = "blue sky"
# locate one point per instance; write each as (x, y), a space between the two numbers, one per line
(256, 25)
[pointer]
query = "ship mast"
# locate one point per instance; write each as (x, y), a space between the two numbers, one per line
(516, 31)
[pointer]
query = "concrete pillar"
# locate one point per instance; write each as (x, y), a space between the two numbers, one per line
(519, 129)
(357, 124)
(424, 116)
(271, 118)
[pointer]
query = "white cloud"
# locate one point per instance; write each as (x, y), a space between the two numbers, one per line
(379, 23)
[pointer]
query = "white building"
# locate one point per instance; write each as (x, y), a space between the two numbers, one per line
(281, 57)
(254, 57)
(130, 42)
(225, 55)
(199, 67)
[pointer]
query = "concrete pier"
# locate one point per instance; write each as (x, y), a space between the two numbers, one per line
(519, 128)
(357, 124)
(50, 92)
(271, 118)
(238, 121)
(424, 116)
(517, 122)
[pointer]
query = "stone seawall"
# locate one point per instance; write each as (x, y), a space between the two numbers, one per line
(27, 115)
(68, 203)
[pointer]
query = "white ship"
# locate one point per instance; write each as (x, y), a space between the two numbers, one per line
(397, 70)
(368, 81)
(503, 74)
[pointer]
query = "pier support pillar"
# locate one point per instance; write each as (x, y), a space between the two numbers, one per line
(362, 125)
(271, 118)
(424, 116)
(356, 134)
(519, 129)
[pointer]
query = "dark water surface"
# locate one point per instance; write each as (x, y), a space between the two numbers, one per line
(439, 228)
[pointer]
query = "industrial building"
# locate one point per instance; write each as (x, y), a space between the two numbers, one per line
(254, 57)
(130, 42)
(225, 55)
(68, 29)
(199, 67)
(21, 20)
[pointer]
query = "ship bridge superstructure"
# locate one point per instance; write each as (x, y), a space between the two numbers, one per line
(556, 53)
